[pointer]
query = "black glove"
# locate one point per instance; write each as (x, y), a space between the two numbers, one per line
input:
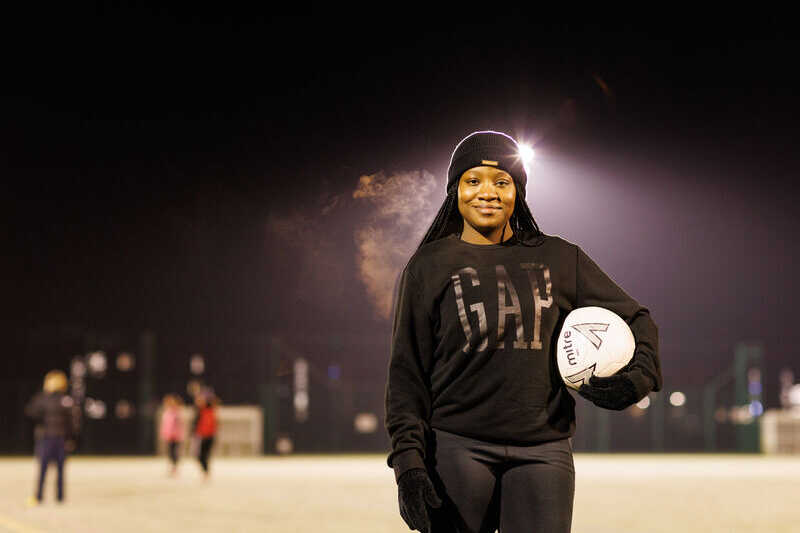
(414, 491)
(614, 392)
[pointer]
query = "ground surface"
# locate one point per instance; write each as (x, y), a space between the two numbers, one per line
(614, 493)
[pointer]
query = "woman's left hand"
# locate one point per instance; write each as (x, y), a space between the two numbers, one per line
(615, 392)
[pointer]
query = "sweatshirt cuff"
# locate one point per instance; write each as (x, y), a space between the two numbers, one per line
(405, 461)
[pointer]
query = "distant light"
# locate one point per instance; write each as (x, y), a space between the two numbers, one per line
(95, 408)
(284, 445)
(123, 409)
(197, 364)
(365, 423)
(301, 401)
(97, 363)
(334, 372)
(756, 409)
(644, 403)
(125, 362)
(301, 396)
(740, 415)
(300, 374)
(754, 387)
(677, 398)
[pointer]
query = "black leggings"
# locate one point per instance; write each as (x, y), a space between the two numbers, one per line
(516, 488)
(172, 449)
(205, 452)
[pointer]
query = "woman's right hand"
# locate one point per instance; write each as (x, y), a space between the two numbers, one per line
(415, 493)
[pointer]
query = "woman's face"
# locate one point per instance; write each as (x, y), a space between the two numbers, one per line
(486, 198)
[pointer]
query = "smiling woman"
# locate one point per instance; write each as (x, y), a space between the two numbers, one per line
(479, 418)
(476, 156)
(486, 198)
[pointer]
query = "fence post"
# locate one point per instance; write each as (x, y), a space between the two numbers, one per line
(147, 353)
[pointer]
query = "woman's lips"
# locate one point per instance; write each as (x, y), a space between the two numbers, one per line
(487, 210)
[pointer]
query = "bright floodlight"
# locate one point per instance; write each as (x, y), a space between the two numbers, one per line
(526, 153)
(644, 403)
(677, 398)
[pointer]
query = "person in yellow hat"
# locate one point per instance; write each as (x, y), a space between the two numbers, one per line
(56, 419)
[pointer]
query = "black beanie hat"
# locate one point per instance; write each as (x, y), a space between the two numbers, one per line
(486, 148)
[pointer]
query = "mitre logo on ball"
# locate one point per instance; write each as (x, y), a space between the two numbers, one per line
(593, 342)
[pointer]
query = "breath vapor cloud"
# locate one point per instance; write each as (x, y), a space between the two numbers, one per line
(400, 207)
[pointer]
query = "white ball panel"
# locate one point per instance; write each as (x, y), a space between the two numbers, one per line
(593, 336)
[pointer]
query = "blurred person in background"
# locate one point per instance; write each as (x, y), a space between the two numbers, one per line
(171, 429)
(205, 426)
(57, 420)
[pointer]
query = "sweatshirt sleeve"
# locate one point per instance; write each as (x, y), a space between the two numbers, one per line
(408, 396)
(595, 288)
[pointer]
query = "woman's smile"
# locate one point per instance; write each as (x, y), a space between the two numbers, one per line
(489, 210)
(486, 200)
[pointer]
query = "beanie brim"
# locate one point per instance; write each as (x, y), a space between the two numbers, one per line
(486, 148)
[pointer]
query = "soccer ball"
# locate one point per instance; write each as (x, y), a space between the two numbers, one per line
(593, 342)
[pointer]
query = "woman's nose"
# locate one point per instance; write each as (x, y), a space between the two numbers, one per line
(487, 191)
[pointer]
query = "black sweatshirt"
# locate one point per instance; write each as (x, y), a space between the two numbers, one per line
(474, 342)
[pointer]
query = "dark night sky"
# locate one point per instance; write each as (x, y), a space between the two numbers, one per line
(144, 154)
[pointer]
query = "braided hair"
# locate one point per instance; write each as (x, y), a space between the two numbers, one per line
(449, 221)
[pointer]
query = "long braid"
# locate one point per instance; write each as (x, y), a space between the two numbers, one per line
(444, 223)
(522, 221)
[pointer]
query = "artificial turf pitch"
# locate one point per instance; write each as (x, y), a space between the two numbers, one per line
(357, 493)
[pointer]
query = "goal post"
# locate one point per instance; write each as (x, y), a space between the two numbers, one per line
(780, 431)
(239, 431)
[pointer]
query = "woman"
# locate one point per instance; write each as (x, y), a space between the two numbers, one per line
(171, 430)
(479, 418)
(205, 427)
(56, 428)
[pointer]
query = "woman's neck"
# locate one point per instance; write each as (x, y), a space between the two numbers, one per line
(495, 236)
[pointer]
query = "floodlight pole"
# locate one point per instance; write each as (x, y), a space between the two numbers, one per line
(747, 433)
(146, 361)
(657, 421)
(709, 405)
(267, 393)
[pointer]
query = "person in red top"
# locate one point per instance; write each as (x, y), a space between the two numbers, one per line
(205, 426)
